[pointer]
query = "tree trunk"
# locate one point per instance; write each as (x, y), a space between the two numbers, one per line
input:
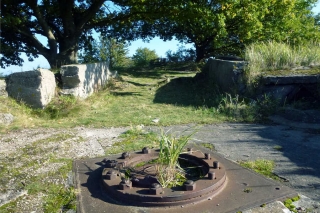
(200, 53)
(60, 59)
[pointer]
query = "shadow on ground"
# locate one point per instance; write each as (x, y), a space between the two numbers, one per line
(297, 161)
(185, 91)
(149, 73)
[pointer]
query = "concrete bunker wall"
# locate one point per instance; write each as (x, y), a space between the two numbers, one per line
(81, 80)
(229, 76)
(226, 75)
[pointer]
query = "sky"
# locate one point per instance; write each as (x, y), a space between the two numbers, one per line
(156, 44)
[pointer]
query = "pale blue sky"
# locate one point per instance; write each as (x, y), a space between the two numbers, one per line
(156, 44)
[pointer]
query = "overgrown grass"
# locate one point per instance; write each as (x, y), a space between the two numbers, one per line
(270, 56)
(168, 171)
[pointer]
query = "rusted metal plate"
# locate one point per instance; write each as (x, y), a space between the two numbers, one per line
(243, 190)
(139, 190)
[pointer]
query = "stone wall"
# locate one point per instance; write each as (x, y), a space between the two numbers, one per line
(81, 80)
(228, 77)
(3, 91)
(34, 88)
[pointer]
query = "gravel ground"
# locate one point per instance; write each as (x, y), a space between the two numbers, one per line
(297, 161)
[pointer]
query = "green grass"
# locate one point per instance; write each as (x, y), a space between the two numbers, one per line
(23, 169)
(274, 58)
(139, 98)
(289, 205)
(209, 146)
(134, 140)
(261, 166)
(168, 170)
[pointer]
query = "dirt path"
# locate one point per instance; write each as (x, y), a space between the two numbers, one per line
(294, 150)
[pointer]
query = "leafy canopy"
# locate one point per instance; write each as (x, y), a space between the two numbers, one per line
(66, 25)
(214, 27)
(225, 26)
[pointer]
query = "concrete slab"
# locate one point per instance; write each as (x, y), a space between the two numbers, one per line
(244, 190)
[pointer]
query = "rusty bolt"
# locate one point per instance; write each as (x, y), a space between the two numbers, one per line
(120, 165)
(110, 163)
(125, 155)
(207, 156)
(216, 164)
(146, 150)
(111, 175)
(211, 175)
(189, 185)
(125, 184)
(155, 189)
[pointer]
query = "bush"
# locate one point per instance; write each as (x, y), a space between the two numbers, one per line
(143, 56)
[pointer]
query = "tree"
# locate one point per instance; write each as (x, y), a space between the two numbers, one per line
(143, 56)
(225, 26)
(113, 51)
(214, 27)
(106, 49)
(182, 54)
(89, 53)
(66, 24)
(317, 20)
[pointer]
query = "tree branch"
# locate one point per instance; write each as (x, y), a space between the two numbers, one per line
(89, 13)
(47, 31)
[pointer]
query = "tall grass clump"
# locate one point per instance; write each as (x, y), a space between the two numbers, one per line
(60, 107)
(169, 173)
(269, 56)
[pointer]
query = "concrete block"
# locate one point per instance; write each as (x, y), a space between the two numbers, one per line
(81, 80)
(34, 88)
(226, 75)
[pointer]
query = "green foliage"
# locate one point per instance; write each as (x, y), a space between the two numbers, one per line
(168, 171)
(182, 55)
(214, 27)
(143, 56)
(66, 32)
(60, 107)
(106, 49)
(264, 107)
(113, 51)
(289, 205)
(224, 27)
